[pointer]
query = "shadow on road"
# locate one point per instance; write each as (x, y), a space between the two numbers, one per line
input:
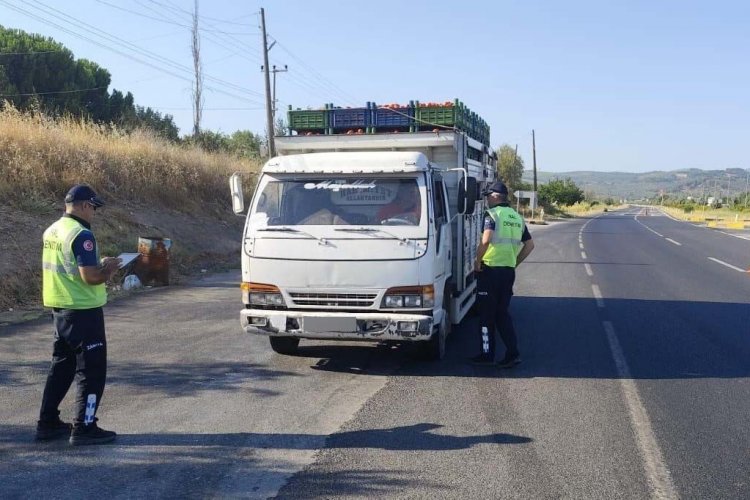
(564, 338)
(417, 437)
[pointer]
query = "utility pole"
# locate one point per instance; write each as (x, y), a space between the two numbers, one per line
(274, 71)
(533, 152)
(198, 88)
(269, 104)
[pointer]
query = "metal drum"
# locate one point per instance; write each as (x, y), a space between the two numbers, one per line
(152, 267)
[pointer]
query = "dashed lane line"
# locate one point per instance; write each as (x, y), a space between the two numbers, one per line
(657, 474)
(730, 266)
(583, 255)
(673, 241)
(588, 269)
(598, 296)
(644, 225)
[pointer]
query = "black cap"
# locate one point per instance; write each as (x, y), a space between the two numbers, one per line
(497, 187)
(82, 192)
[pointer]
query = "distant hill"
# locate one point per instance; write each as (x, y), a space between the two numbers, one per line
(642, 185)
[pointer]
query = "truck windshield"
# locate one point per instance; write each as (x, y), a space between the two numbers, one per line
(340, 202)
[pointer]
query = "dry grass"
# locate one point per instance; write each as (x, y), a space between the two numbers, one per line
(152, 188)
(41, 158)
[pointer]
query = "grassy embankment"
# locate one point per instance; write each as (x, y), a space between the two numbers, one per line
(583, 209)
(713, 217)
(152, 188)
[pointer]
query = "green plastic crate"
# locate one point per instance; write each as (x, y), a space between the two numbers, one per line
(306, 119)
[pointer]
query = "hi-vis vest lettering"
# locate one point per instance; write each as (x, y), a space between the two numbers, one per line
(62, 285)
(506, 239)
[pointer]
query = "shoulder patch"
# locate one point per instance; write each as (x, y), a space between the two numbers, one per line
(88, 245)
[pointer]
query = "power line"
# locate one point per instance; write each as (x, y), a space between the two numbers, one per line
(210, 109)
(144, 52)
(128, 46)
(161, 20)
(52, 92)
(173, 9)
(318, 76)
(216, 39)
(124, 54)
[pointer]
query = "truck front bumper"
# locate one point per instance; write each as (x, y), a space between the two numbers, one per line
(341, 326)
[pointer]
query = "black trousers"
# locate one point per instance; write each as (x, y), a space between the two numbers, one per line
(80, 349)
(494, 291)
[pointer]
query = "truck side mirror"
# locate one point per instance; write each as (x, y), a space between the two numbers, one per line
(235, 187)
(467, 195)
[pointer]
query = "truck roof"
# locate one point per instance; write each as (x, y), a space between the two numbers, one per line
(349, 163)
(294, 144)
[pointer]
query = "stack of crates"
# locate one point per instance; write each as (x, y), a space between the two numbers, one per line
(372, 118)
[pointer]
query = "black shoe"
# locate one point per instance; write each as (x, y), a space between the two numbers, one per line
(46, 431)
(482, 360)
(90, 434)
(509, 362)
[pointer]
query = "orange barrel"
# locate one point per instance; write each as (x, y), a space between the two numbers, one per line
(152, 267)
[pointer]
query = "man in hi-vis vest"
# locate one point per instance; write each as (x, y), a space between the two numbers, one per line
(506, 242)
(73, 280)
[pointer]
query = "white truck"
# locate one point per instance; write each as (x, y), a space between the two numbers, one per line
(363, 237)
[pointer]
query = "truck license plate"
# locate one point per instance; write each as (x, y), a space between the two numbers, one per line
(329, 325)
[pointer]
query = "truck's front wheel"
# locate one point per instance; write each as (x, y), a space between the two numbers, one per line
(434, 349)
(284, 345)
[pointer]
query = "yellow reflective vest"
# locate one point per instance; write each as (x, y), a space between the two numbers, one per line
(506, 239)
(62, 285)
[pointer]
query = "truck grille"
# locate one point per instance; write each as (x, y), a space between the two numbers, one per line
(343, 300)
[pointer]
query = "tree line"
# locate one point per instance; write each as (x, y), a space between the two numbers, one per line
(41, 75)
(510, 167)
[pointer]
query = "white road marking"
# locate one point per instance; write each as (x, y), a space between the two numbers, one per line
(673, 241)
(583, 255)
(735, 235)
(730, 266)
(588, 269)
(598, 296)
(644, 225)
(658, 475)
(580, 245)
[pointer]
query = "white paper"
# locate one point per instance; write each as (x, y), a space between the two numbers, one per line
(127, 258)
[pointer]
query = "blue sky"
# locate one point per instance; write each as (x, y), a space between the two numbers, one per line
(625, 85)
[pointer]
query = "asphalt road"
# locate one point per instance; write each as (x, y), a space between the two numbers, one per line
(635, 336)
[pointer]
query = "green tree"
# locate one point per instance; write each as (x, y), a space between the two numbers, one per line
(561, 192)
(509, 167)
(208, 140)
(245, 144)
(162, 125)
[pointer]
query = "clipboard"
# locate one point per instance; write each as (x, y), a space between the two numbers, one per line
(127, 258)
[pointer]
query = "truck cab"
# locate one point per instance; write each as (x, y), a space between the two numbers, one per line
(359, 241)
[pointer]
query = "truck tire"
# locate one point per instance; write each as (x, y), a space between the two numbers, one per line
(434, 349)
(284, 345)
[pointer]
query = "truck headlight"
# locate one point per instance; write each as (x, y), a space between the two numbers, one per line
(261, 294)
(412, 297)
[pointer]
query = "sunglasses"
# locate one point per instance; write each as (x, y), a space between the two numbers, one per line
(93, 206)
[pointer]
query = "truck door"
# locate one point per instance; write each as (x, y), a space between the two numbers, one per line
(443, 237)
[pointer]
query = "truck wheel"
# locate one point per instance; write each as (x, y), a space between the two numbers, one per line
(434, 349)
(284, 345)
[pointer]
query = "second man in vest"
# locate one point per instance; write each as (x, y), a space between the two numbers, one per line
(505, 243)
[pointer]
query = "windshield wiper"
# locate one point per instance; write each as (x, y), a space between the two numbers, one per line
(371, 230)
(284, 229)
